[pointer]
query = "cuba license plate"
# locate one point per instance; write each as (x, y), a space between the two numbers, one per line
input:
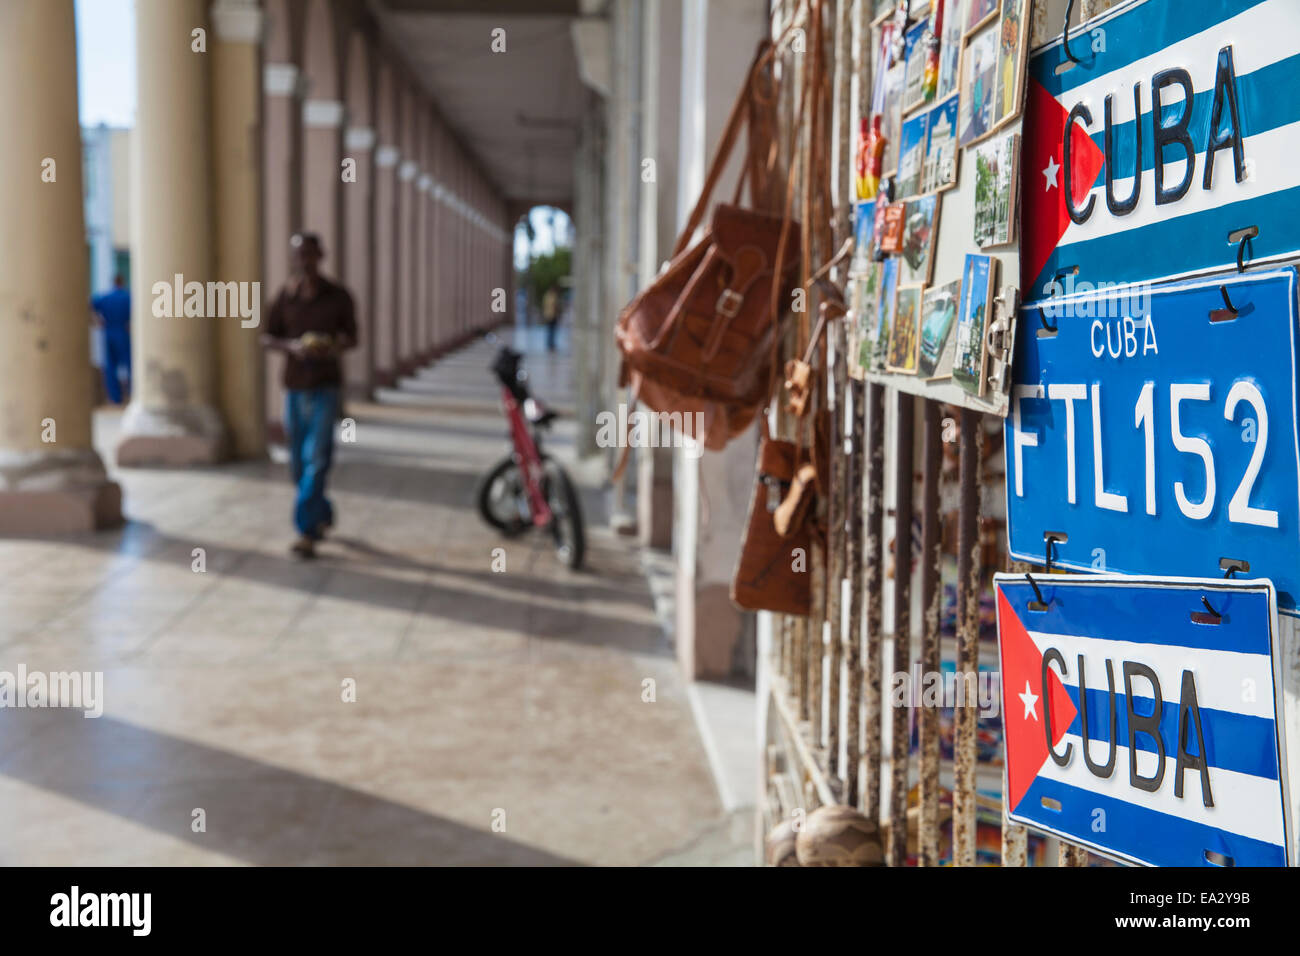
(1142, 716)
(1152, 430)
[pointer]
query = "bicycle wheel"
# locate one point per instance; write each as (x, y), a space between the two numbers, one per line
(566, 515)
(502, 501)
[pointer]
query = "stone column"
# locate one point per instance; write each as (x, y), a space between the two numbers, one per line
(281, 204)
(407, 191)
(322, 149)
(660, 108)
(236, 180)
(437, 248)
(358, 249)
(387, 158)
(172, 418)
(714, 639)
(461, 260)
(424, 216)
(51, 479)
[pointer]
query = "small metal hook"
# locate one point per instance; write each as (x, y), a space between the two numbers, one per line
(1049, 539)
(1040, 604)
(1231, 566)
(1065, 33)
(1228, 312)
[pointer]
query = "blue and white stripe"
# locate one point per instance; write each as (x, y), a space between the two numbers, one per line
(1187, 237)
(1151, 625)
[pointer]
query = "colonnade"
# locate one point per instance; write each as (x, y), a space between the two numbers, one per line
(254, 120)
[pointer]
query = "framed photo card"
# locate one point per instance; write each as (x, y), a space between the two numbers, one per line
(886, 309)
(938, 316)
(978, 85)
(980, 12)
(864, 231)
(904, 335)
(864, 303)
(891, 118)
(940, 168)
(1013, 43)
(978, 281)
(996, 177)
(889, 222)
(911, 156)
(920, 227)
(887, 92)
(914, 75)
(948, 24)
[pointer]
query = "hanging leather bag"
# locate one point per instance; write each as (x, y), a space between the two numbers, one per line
(698, 338)
(772, 572)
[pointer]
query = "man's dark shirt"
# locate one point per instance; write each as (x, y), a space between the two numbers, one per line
(329, 311)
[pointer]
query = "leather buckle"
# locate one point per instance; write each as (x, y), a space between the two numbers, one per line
(729, 303)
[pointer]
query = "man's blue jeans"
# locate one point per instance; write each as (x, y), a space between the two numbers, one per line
(309, 416)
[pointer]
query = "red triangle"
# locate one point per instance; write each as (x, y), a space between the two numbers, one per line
(1022, 716)
(1045, 217)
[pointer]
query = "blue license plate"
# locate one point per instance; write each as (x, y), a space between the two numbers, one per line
(1155, 431)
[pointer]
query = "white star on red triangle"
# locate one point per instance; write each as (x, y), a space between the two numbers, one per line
(1030, 700)
(1049, 173)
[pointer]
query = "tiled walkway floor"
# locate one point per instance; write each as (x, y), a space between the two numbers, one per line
(517, 694)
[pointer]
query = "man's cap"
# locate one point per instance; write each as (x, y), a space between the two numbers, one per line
(300, 239)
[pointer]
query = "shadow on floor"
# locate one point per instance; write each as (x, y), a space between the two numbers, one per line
(509, 605)
(255, 812)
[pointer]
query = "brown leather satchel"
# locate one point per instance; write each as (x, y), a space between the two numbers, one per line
(773, 571)
(700, 336)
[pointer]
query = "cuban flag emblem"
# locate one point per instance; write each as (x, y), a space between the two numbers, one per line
(1178, 126)
(1142, 716)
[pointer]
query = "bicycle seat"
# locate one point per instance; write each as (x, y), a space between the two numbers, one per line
(544, 419)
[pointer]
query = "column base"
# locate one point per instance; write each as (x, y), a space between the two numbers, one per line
(57, 493)
(172, 438)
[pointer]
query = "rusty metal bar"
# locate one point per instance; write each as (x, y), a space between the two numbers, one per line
(873, 540)
(855, 396)
(800, 682)
(969, 579)
(816, 645)
(842, 122)
(838, 371)
(904, 427)
(1067, 854)
(1015, 844)
(787, 643)
(931, 594)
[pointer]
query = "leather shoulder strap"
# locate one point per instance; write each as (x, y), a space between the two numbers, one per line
(730, 133)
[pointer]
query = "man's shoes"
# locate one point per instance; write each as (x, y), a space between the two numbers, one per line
(304, 548)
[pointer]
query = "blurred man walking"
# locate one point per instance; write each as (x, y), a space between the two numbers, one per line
(551, 316)
(312, 321)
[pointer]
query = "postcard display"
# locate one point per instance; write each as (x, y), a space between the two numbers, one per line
(934, 276)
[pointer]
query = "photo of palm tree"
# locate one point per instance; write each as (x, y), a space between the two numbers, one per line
(995, 190)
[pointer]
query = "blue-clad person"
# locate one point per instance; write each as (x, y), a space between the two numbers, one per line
(113, 309)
